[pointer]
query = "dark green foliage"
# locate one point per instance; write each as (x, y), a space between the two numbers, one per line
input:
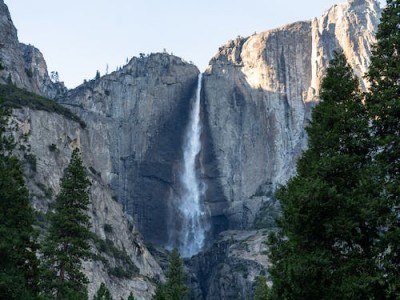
(52, 147)
(262, 291)
(340, 228)
(102, 293)
(131, 297)
(29, 73)
(108, 228)
(160, 293)
(9, 80)
(383, 103)
(266, 216)
(18, 262)
(41, 221)
(17, 98)
(125, 266)
(327, 229)
(32, 161)
(6, 141)
(241, 268)
(67, 242)
(121, 272)
(174, 288)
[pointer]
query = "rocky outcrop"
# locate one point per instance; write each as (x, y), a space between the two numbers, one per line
(228, 270)
(120, 259)
(349, 26)
(258, 92)
(136, 118)
(23, 65)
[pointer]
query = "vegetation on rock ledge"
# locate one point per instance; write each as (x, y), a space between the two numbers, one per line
(17, 98)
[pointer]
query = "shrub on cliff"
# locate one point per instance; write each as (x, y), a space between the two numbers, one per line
(103, 293)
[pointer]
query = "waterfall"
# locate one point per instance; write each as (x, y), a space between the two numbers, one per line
(192, 233)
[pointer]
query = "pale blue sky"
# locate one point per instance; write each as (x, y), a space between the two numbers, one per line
(78, 37)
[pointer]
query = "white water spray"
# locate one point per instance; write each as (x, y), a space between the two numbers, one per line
(193, 230)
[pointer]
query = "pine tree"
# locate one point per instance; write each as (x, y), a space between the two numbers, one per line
(160, 292)
(262, 291)
(131, 297)
(18, 262)
(67, 241)
(97, 75)
(103, 293)
(383, 103)
(323, 248)
(174, 288)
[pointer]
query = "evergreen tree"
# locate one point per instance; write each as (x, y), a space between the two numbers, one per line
(131, 297)
(323, 247)
(18, 262)
(262, 291)
(103, 293)
(383, 103)
(160, 292)
(174, 288)
(67, 241)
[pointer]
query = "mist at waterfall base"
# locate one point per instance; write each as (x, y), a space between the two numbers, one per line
(192, 218)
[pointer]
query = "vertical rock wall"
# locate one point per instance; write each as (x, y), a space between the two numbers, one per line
(258, 92)
(136, 118)
(45, 143)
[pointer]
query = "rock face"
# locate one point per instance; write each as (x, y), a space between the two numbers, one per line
(228, 270)
(46, 141)
(258, 92)
(256, 100)
(136, 118)
(21, 64)
(257, 96)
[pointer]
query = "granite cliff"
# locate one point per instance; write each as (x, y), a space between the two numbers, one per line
(23, 65)
(46, 141)
(46, 137)
(256, 100)
(258, 92)
(137, 118)
(257, 96)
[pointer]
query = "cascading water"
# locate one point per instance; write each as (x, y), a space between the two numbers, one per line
(192, 235)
